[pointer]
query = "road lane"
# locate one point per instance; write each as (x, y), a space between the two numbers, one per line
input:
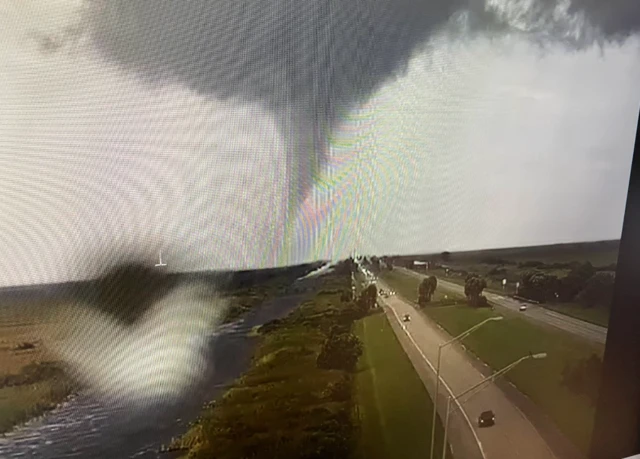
(513, 436)
(586, 330)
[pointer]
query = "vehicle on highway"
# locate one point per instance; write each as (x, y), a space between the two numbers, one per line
(523, 308)
(406, 318)
(486, 419)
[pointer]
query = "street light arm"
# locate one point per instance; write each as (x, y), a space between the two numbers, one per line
(471, 330)
(493, 376)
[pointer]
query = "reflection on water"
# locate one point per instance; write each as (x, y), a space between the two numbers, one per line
(84, 427)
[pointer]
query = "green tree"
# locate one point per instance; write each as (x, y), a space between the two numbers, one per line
(539, 286)
(366, 301)
(473, 287)
(370, 295)
(575, 281)
(426, 289)
(598, 290)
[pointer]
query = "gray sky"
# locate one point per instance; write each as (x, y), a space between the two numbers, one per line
(125, 131)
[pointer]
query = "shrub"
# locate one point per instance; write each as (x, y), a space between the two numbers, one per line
(340, 351)
(575, 281)
(598, 290)
(539, 286)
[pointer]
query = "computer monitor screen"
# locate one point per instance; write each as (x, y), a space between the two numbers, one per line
(310, 229)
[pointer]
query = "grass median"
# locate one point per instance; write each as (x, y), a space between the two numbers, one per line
(595, 315)
(407, 286)
(500, 343)
(393, 405)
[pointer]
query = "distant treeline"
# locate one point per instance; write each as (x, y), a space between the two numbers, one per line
(128, 290)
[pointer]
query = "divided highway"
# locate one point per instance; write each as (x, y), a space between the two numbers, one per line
(513, 435)
(586, 330)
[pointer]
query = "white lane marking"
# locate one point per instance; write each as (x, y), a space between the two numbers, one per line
(464, 413)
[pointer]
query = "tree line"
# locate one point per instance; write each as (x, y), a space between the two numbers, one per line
(583, 284)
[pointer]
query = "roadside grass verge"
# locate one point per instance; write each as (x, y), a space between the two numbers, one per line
(595, 315)
(393, 405)
(500, 343)
(284, 405)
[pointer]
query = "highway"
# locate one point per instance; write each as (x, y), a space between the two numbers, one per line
(577, 327)
(513, 435)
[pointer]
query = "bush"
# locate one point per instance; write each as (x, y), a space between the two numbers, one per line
(340, 390)
(340, 351)
(598, 290)
(539, 286)
(575, 281)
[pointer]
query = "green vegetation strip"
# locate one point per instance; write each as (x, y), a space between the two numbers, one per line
(284, 406)
(597, 316)
(393, 405)
(500, 343)
(27, 399)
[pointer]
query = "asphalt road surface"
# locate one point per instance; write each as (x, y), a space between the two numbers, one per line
(513, 435)
(586, 330)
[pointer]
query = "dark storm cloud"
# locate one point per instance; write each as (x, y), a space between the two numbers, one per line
(315, 58)
(318, 57)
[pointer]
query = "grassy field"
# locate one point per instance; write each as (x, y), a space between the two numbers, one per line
(21, 403)
(394, 406)
(594, 315)
(28, 387)
(284, 405)
(500, 343)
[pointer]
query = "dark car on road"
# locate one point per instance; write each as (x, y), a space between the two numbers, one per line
(406, 318)
(486, 419)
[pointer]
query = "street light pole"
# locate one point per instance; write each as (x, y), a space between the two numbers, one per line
(435, 398)
(490, 378)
